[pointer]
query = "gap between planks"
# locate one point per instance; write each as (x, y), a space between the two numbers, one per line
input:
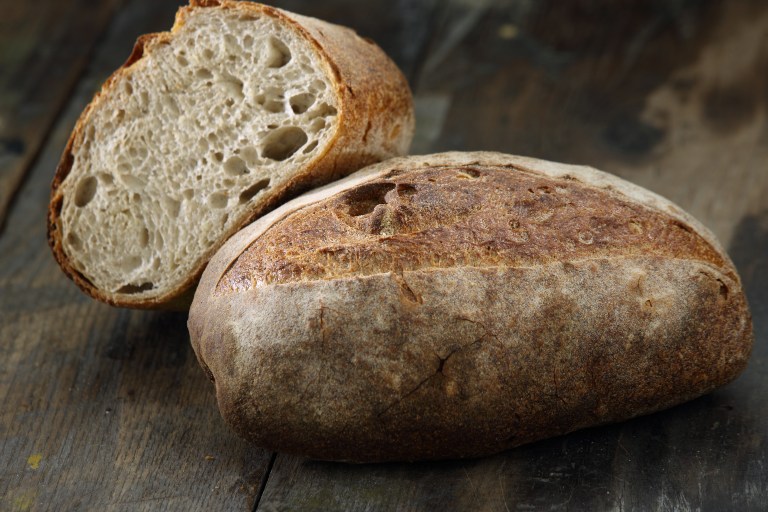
(263, 482)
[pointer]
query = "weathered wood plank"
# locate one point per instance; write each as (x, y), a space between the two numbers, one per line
(43, 51)
(668, 96)
(672, 97)
(100, 408)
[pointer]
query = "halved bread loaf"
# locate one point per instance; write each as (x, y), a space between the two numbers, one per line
(204, 129)
(460, 304)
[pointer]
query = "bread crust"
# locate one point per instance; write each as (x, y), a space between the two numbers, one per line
(375, 122)
(445, 361)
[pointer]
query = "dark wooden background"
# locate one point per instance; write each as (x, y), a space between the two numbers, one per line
(106, 409)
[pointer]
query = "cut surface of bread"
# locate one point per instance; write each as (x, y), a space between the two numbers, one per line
(204, 129)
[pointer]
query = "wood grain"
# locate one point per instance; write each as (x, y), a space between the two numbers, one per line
(107, 409)
(43, 52)
(100, 408)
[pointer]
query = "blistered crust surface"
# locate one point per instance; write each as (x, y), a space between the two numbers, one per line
(429, 361)
(455, 216)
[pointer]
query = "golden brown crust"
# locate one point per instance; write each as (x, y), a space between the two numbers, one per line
(442, 217)
(398, 358)
(375, 120)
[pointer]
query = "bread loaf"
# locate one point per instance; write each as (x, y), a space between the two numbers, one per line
(459, 304)
(205, 128)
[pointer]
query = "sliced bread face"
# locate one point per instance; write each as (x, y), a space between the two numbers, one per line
(203, 130)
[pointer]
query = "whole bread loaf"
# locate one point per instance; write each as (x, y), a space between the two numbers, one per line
(459, 304)
(204, 129)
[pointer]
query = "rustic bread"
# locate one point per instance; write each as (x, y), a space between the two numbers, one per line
(460, 304)
(204, 129)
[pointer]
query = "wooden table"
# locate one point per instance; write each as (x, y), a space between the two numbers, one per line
(107, 409)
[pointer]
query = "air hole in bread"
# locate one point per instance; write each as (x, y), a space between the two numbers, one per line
(249, 193)
(231, 43)
(301, 102)
(364, 199)
(170, 105)
(144, 237)
(235, 166)
(218, 156)
(248, 17)
(188, 194)
(171, 206)
(134, 288)
(132, 182)
(130, 263)
(182, 60)
(105, 178)
(207, 53)
(233, 85)
(86, 191)
(272, 100)
(248, 40)
(317, 125)
(74, 241)
(326, 110)
(310, 147)
(282, 143)
(250, 155)
(203, 74)
(278, 54)
(218, 200)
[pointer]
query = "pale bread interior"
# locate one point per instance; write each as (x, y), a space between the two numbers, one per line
(189, 141)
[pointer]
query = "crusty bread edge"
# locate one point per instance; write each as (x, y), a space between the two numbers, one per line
(340, 157)
(217, 318)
